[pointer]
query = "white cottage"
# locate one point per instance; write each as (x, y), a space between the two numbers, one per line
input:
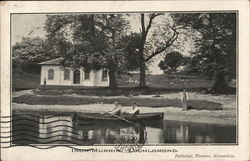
(54, 73)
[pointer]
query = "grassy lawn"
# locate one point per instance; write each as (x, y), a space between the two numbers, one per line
(29, 81)
(146, 102)
(105, 91)
(22, 81)
(162, 81)
(128, 85)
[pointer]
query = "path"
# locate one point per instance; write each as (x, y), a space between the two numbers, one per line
(23, 92)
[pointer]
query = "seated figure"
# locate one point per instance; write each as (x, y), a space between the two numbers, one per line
(135, 109)
(116, 110)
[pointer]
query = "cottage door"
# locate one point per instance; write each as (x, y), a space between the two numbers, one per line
(76, 77)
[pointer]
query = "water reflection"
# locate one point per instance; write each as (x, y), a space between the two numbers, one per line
(46, 129)
(185, 132)
(62, 130)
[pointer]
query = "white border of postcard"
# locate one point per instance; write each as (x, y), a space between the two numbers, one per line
(240, 151)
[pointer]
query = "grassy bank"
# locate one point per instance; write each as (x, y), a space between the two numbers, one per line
(163, 81)
(105, 91)
(22, 80)
(146, 102)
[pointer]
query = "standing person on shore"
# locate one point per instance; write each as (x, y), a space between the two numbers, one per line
(184, 98)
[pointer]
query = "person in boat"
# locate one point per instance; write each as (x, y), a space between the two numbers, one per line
(184, 98)
(116, 110)
(135, 110)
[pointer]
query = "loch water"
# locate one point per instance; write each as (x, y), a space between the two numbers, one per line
(61, 129)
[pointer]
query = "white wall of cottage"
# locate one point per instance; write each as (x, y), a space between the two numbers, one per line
(95, 77)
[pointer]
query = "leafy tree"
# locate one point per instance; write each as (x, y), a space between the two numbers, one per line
(28, 52)
(131, 50)
(156, 42)
(215, 54)
(94, 40)
(171, 62)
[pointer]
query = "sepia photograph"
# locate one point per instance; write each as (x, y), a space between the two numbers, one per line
(122, 78)
(156, 80)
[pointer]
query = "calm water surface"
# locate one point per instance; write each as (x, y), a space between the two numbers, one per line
(48, 129)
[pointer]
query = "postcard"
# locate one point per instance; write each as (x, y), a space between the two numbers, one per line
(125, 80)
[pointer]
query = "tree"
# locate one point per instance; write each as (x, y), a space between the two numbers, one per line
(27, 53)
(156, 43)
(215, 54)
(130, 44)
(94, 40)
(171, 62)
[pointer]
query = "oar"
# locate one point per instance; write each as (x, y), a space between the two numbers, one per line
(75, 118)
(123, 119)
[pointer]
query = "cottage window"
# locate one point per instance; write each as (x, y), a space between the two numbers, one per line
(86, 74)
(50, 74)
(105, 75)
(66, 74)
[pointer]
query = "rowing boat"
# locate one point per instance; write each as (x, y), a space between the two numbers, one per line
(141, 116)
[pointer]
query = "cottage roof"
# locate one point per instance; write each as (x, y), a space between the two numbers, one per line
(57, 61)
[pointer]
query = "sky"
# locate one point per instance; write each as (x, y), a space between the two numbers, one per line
(32, 25)
(27, 25)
